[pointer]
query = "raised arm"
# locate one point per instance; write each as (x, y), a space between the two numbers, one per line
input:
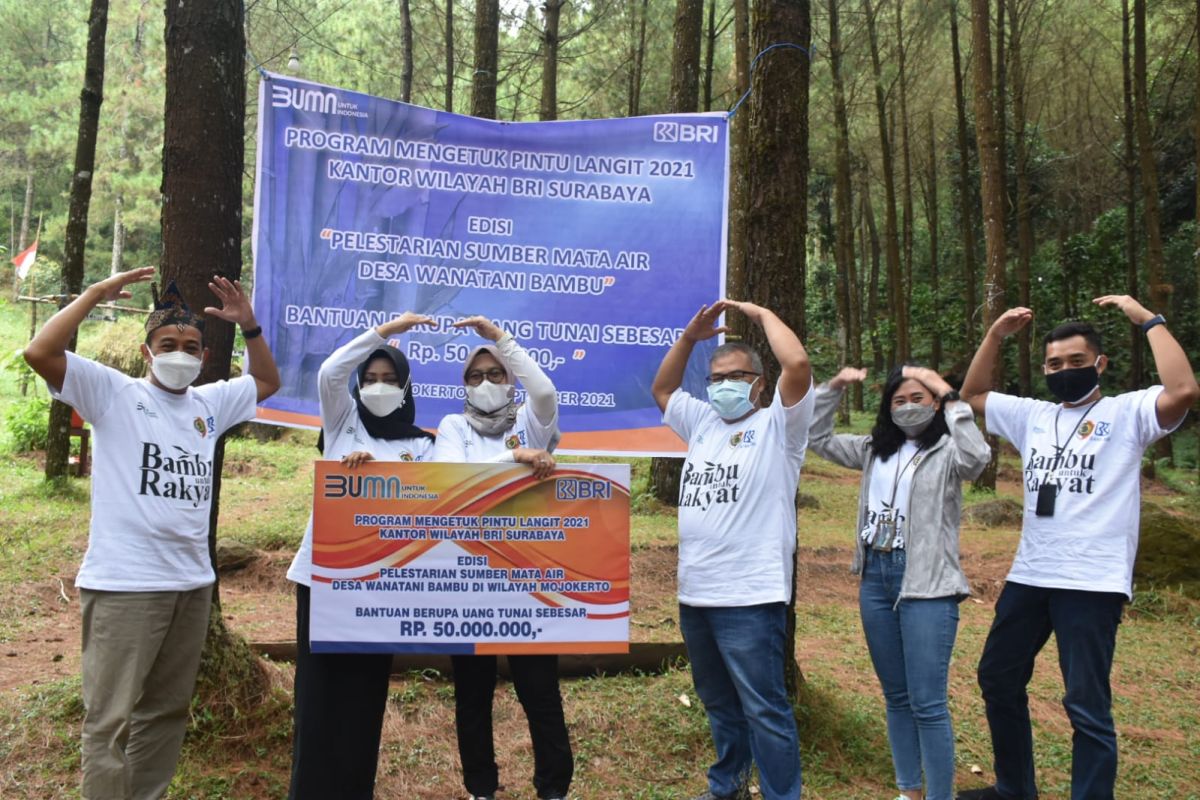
(844, 449)
(46, 353)
(334, 374)
(795, 370)
(236, 308)
(539, 389)
(1180, 390)
(978, 382)
(971, 451)
(670, 372)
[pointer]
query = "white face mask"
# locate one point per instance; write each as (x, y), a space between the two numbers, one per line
(382, 399)
(176, 370)
(489, 397)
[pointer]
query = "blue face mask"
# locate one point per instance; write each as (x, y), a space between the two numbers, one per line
(731, 399)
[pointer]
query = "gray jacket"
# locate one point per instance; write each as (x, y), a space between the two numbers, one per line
(935, 504)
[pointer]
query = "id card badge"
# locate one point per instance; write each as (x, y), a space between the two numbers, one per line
(1047, 494)
(885, 535)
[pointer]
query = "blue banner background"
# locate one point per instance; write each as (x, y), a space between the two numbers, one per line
(682, 230)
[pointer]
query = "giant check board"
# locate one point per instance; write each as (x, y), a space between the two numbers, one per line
(470, 558)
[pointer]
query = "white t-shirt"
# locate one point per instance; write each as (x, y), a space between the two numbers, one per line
(893, 476)
(345, 433)
(458, 442)
(737, 510)
(1091, 540)
(151, 475)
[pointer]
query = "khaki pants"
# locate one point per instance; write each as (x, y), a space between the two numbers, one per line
(141, 652)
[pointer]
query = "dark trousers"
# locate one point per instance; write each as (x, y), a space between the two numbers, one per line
(1085, 627)
(536, 681)
(339, 703)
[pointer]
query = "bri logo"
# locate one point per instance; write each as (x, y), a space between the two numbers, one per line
(745, 438)
(303, 99)
(673, 132)
(1103, 430)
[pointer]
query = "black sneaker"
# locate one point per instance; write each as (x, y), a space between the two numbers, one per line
(987, 793)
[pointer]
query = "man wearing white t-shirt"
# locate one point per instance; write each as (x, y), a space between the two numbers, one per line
(146, 579)
(1073, 571)
(737, 537)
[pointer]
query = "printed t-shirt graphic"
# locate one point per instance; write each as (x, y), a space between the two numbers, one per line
(737, 513)
(151, 475)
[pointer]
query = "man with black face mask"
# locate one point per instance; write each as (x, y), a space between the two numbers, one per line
(1073, 571)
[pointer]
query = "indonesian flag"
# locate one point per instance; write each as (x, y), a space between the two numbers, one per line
(24, 260)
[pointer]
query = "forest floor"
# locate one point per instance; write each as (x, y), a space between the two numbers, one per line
(634, 736)
(641, 736)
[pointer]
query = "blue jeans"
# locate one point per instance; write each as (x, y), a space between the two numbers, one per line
(737, 656)
(910, 643)
(1085, 627)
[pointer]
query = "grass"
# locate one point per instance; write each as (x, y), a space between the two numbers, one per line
(633, 736)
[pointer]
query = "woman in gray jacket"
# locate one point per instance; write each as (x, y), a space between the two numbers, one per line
(923, 446)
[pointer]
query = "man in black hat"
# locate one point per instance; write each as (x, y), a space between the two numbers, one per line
(146, 581)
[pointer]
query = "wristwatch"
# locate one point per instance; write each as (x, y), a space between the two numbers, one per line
(1157, 319)
(951, 396)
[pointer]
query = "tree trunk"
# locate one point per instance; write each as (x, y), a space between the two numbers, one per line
(203, 162)
(549, 104)
(685, 57)
(710, 44)
(1025, 242)
(871, 234)
(406, 52)
(847, 300)
(908, 222)
(992, 191)
(118, 245)
(487, 44)
(685, 89)
(930, 195)
(738, 126)
(639, 58)
(1131, 175)
(1160, 290)
(891, 242)
(26, 212)
(450, 55)
(966, 207)
(58, 440)
(777, 170)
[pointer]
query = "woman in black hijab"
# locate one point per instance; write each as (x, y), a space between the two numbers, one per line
(340, 697)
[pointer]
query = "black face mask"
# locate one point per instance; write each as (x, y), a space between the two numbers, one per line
(1073, 385)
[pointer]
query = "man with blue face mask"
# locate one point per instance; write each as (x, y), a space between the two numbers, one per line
(146, 581)
(737, 537)
(1073, 571)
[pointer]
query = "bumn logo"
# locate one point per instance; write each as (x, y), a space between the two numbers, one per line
(303, 99)
(672, 132)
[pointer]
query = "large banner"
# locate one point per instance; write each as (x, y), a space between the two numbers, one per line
(592, 242)
(470, 558)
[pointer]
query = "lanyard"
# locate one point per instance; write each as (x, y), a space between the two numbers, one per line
(1059, 448)
(1088, 410)
(899, 474)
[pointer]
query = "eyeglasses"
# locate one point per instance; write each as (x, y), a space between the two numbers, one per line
(494, 375)
(736, 375)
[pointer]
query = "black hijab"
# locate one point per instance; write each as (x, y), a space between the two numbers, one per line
(400, 424)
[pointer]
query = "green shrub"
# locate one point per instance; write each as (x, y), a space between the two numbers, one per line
(26, 422)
